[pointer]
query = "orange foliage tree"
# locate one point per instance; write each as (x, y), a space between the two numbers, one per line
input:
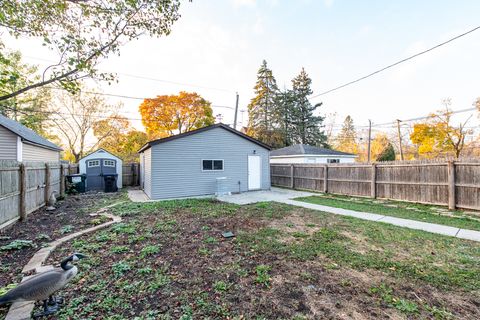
(167, 115)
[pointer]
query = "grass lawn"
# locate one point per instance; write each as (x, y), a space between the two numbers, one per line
(420, 212)
(167, 260)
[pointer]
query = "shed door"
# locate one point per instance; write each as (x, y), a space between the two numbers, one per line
(254, 172)
(96, 168)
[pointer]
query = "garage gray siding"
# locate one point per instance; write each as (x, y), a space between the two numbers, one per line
(176, 169)
(38, 153)
(147, 187)
(8, 145)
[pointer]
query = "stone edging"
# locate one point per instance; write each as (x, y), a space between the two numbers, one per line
(23, 310)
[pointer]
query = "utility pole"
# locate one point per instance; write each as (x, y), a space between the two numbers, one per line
(236, 113)
(369, 137)
(400, 139)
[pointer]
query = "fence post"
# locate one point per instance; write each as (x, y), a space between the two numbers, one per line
(325, 179)
(47, 183)
(451, 185)
(292, 178)
(134, 179)
(23, 192)
(373, 185)
(62, 180)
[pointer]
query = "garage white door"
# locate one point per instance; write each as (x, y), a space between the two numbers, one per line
(254, 172)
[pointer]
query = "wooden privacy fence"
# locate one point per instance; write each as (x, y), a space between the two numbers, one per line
(452, 183)
(25, 187)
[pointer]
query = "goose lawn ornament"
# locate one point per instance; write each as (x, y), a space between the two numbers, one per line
(51, 201)
(42, 286)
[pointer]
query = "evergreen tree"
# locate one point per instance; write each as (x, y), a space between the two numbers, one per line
(388, 154)
(262, 114)
(347, 139)
(284, 114)
(307, 125)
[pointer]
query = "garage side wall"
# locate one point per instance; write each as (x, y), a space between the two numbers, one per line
(177, 165)
(147, 183)
(36, 153)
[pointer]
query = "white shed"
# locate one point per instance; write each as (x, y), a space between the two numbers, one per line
(302, 153)
(98, 163)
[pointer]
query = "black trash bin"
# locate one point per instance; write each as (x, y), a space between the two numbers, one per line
(77, 182)
(110, 182)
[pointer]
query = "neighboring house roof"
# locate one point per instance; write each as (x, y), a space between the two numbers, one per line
(189, 133)
(305, 149)
(26, 134)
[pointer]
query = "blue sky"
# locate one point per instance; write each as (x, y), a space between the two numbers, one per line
(221, 43)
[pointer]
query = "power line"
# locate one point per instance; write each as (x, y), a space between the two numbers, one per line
(128, 97)
(394, 64)
(425, 117)
(147, 77)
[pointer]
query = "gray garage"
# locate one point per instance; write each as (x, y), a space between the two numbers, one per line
(204, 162)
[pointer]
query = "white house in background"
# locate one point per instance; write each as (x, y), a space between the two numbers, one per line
(303, 153)
(19, 143)
(97, 164)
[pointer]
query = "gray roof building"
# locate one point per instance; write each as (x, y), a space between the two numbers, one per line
(20, 143)
(298, 149)
(303, 153)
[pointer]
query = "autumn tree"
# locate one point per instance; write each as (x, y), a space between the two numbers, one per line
(29, 109)
(117, 136)
(437, 136)
(167, 115)
(82, 33)
(262, 113)
(73, 117)
(346, 140)
(307, 125)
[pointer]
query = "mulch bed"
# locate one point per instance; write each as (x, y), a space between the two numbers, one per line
(42, 227)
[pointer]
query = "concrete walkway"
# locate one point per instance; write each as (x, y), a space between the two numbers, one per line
(286, 196)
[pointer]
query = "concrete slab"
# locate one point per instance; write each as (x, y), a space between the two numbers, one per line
(469, 234)
(137, 196)
(275, 194)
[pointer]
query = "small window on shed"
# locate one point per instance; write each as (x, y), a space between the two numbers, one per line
(109, 163)
(333, 160)
(212, 165)
(93, 163)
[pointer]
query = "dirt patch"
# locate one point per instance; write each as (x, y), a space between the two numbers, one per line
(296, 226)
(42, 226)
(196, 273)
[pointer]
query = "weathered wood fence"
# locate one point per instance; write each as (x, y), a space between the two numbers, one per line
(25, 187)
(452, 183)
